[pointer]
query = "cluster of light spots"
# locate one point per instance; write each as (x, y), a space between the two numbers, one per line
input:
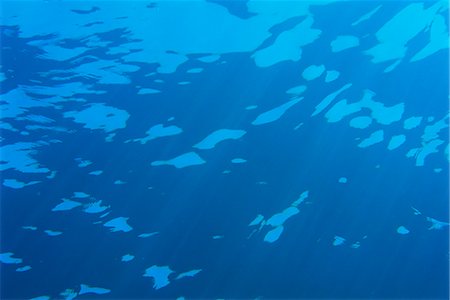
(276, 222)
(382, 114)
(430, 141)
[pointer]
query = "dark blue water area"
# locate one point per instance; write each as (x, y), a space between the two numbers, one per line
(189, 206)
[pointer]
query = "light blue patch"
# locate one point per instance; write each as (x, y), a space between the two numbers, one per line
(436, 225)
(402, 230)
(33, 228)
(15, 184)
(66, 205)
(59, 53)
(95, 207)
(160, 275)
(439, 39)
(16, 102)
(23, 269)
(375, 138)
(118, 224)
(238, 160)
(85, 289)
(332, 75)
(251, 107)
(80, 195)
(100, 116)
(257, 220)
(195, 70)
(182, 161)
(96, 173)
(218, 136)
(303, 196)
(338, 241)
(343, 180)
(52, 232)
(274, 234)
(297, 90)
(361, 122)
(396, 33)
(412, 122)
(367, 16)
(147, 91)
(127, 257)
(328, 99)
(146, 235)
(279, 218)
(275, 113)
(428, 148)
(344, 42)
(159, 131)
(432, 131)
(209, 58)
(191, 273)
(396, 141)
(287, 46)
(83, 163)
(313, 72)
(19, 156)
(7, 258)
(341, 110)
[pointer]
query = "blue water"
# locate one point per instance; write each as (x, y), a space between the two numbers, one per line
(179, 150)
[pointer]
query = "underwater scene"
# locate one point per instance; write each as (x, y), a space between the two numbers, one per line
(219, 149)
